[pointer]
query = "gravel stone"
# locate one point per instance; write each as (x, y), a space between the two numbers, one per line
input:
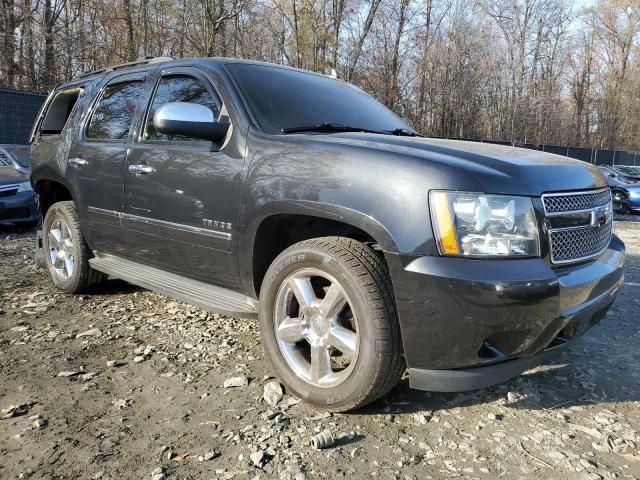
(94, 332)
(236, 382)
(576, 418)
(272, 393)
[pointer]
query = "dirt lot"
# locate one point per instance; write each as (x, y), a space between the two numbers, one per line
(125, 383)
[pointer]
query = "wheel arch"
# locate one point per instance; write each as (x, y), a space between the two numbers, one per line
(51, 191)
(272, 233)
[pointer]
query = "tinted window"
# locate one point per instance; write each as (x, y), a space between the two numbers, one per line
(280, 98)
(114, 114)
(179, 88)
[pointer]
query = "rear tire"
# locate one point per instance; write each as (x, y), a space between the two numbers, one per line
(66, 253)
(330, 301)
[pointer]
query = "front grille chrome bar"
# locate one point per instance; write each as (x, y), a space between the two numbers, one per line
(584, 241)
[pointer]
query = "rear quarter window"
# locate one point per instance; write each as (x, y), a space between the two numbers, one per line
(58, 111)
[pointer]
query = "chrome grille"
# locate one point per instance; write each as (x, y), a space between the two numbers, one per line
(590, 234)
(568, 245)
(575, 202)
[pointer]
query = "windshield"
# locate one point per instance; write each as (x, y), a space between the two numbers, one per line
(282, 99)
(23, 161)
(628, 170)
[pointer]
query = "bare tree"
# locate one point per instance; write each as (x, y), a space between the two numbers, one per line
(519, 70)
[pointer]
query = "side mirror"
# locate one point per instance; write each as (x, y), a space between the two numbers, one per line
(190, 120)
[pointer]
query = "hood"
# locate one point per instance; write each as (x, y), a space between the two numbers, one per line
(498, 168)
(9, 176)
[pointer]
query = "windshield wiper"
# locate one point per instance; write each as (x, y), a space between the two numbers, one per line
(403, 132)
(338, 127)
(328, 127)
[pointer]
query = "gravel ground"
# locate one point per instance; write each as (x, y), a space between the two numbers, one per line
(125, 383)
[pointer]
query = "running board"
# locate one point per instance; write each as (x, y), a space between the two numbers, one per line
(203, 295)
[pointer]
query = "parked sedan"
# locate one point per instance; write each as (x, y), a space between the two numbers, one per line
(18, 203)
(633, 172)
(615, 173)
(624, 191)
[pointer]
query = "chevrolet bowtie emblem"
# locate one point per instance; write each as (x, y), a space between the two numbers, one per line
(600, 216)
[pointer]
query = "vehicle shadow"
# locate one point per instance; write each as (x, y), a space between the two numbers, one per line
(113, 286)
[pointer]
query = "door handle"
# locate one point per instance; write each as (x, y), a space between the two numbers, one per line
(78, 162)
(139, 169)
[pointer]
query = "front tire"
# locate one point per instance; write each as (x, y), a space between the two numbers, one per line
(329, 324)
(66, 253)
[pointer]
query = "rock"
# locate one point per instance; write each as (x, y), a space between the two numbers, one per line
(257, 458)
(139, 359)
(210, 455)
(158, 474)
(589, 431)
(236, 382)
(556, 455)
(88, 376)
(272, 393)
(601, 447)
(14, 410)
(40, 423)
(94, 332)
(69, 373)
(512, 397)
(112, 363)
(588, 464)
(424, 417)
(356, 452)
(122, 402)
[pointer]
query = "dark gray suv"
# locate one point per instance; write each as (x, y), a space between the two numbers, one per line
(259, 190)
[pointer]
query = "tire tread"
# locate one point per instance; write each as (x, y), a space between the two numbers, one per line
(378, 289)
(86, 276)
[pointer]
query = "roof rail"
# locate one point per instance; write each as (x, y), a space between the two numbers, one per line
(140, 61)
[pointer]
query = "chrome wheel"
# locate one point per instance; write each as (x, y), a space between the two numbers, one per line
(316, 328)
(61, 249)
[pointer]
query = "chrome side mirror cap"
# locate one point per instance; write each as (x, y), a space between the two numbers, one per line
(189, 120)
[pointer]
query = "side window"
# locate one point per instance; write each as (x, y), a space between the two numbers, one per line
(58, 111)
(115, 111)
(179, 88)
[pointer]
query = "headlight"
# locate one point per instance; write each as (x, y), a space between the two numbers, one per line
(479, 225)
(25, 187)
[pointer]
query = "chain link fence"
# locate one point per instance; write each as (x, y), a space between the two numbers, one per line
(597, 156)
(18, 110)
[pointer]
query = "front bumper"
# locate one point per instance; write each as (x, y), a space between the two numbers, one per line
(19, 208)
(460, 315)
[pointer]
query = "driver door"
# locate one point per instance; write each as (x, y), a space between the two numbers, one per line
(182, 194)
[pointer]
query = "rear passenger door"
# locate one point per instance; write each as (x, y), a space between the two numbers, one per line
(180, 212)
(96, 161)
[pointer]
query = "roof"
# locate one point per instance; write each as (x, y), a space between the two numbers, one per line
(149, 61)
